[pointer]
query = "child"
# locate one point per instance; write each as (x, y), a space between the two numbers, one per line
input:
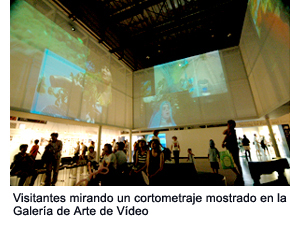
(190, 158)
(175, 148)
(213, 155)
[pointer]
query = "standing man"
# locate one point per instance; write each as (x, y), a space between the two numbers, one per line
(175, 148)
(231, 143)
(155, 137)
(52, 164)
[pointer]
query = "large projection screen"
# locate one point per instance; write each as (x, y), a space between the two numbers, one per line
(265, 48)
(65, 73)
(194, 90)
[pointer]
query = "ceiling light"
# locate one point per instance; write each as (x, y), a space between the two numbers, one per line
(147, 57)
(73, 29)
(229, 34)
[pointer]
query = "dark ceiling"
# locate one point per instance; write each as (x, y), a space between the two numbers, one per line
(150, 32)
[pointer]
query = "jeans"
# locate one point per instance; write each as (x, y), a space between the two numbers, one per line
(52, 165)
(176, 156)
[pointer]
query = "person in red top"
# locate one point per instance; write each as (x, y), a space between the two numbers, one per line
(34, 149)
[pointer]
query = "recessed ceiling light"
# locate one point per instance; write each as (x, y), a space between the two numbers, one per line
(147, 57)
(229, 34)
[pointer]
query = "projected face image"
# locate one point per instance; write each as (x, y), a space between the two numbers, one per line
(166, 112)
(106, 75)
(162, 117)
(177, 85)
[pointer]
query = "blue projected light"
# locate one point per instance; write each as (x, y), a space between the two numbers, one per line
(55, 85)
(161, 136)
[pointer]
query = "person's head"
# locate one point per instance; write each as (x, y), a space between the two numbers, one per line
(108, 148)
(36, 141)
(154, 144)
(142, 143)
(189, 150)
(244, 136)
(78, 142)
(23, 148)
(211, 143)
(255, 134)
(54, 136)
(82, 143)
(114, 140)
(174, 138)
(120, 145)
(155, 132)
(91, 149)
(231, 124)
(106, 75)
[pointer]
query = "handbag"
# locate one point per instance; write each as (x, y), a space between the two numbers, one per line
(226, 160)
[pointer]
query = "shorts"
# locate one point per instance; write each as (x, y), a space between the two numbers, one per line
(247, 147)
(214, 165)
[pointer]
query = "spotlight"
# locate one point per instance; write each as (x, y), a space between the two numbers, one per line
(73, 29)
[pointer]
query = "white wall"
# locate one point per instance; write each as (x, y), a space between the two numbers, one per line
(196, 139)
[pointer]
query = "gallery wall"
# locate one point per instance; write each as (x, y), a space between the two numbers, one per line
(57, 69)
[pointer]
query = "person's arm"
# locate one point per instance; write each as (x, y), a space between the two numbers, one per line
(225, 141)
(136, 158)
(160, 166)
(147, 163)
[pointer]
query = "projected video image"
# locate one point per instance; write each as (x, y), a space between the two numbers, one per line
(72, 82)
(265, 12)
(59, 79)
(179, 84)
(63, 87)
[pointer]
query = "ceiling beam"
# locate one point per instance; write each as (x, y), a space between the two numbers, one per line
(134, 10)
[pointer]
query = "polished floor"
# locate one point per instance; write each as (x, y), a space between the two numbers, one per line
(203, 165)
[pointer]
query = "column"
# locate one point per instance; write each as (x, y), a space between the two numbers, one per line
(130, 145)
(99, 143)
(272, 136)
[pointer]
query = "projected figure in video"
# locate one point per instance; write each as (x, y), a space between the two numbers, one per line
(163, 117)
(67, 90)
(98, 94)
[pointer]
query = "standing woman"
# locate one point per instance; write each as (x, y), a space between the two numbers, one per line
(264, 145)
(257, 145)
(154, 163)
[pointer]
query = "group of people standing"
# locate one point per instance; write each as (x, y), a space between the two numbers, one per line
(148, 158)
(23, 164)
(244, 146)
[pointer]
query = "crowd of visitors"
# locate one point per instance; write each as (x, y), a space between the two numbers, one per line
(148, 158)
